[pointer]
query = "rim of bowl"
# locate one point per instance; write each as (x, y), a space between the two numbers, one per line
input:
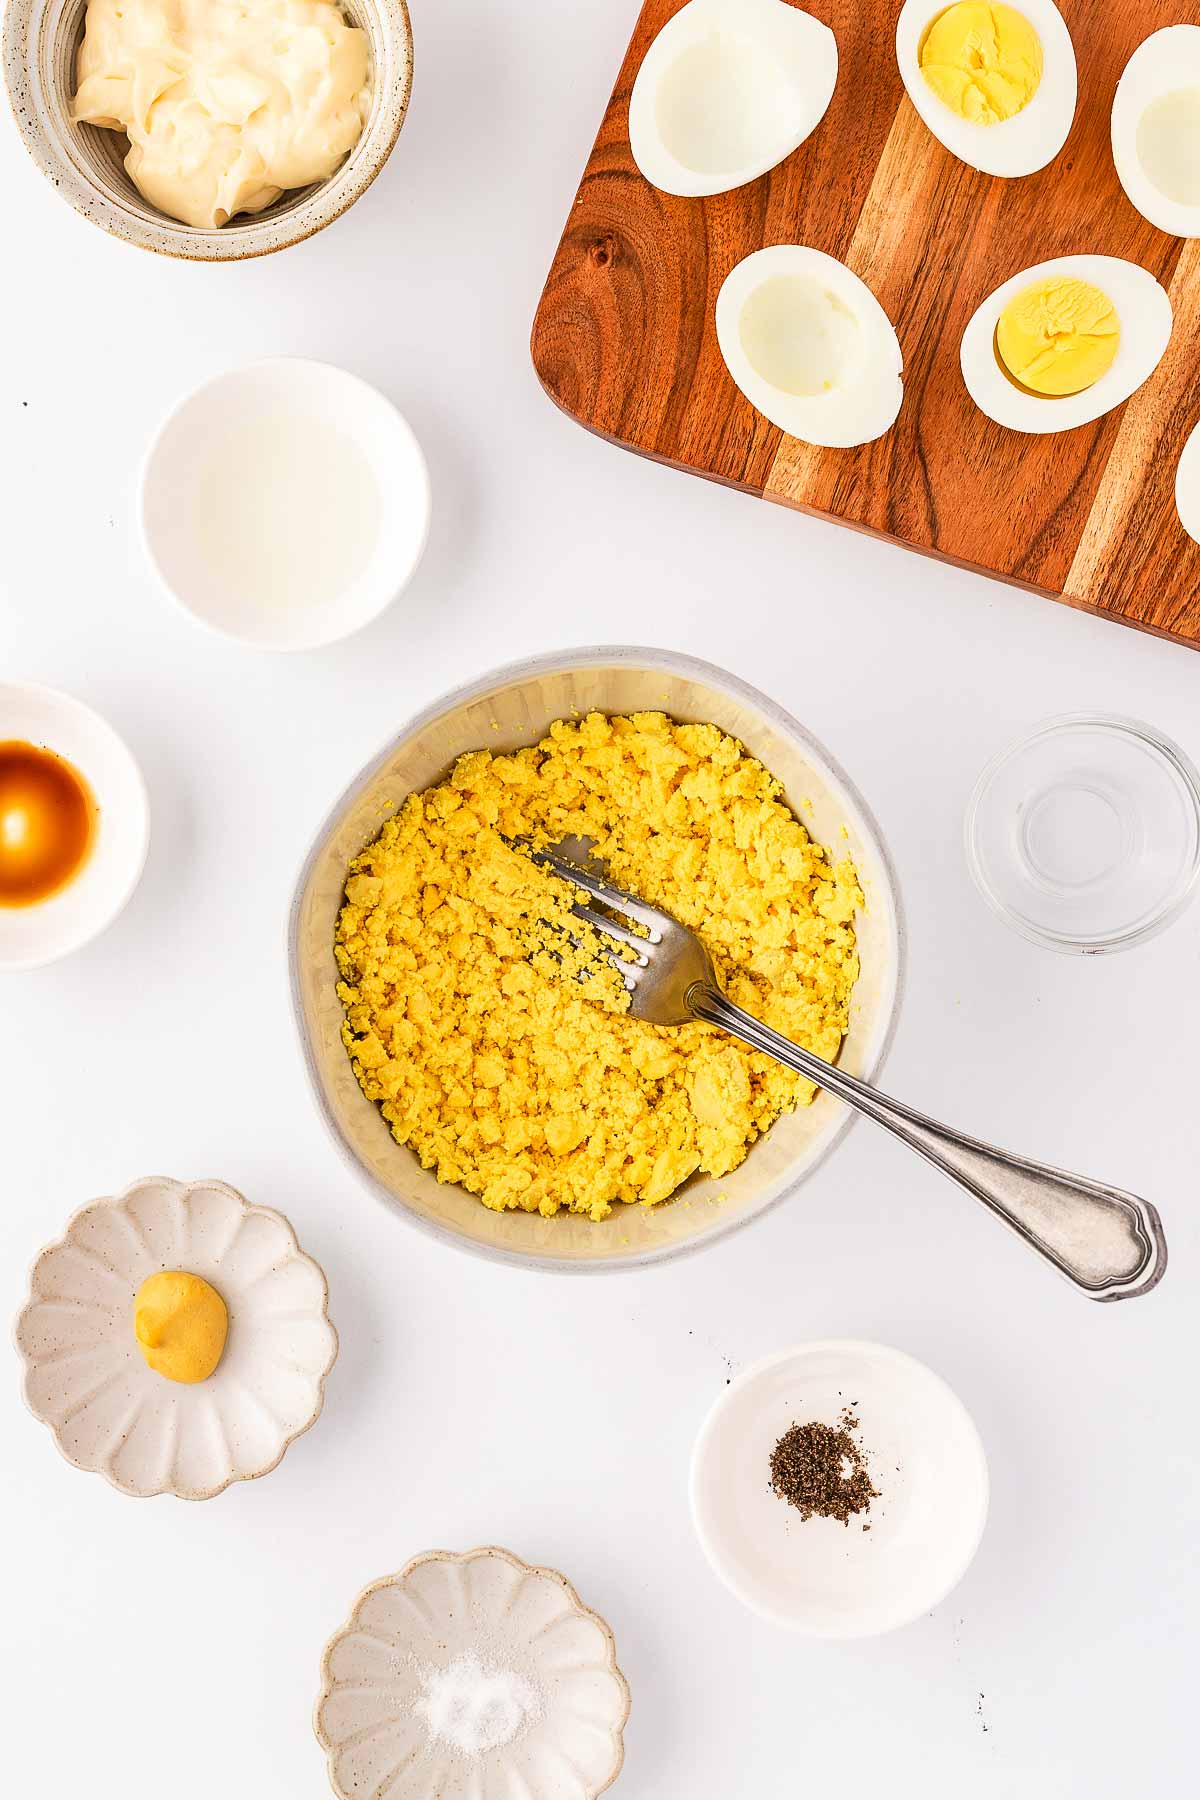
(59, 700)
(144, 226)
(392, 594)
(882, 1352)
(1123, 725)
(672, 662)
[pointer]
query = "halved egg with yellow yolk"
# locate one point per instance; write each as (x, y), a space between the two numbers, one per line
(996, 84)
(1064, 342)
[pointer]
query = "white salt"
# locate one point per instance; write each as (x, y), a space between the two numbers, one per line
(474, 1708)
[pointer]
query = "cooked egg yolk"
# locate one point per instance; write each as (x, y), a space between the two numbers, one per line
(1058, 336)
(984, 62)
(180, 1324)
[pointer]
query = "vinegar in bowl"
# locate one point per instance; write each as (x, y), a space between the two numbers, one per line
(47, 823)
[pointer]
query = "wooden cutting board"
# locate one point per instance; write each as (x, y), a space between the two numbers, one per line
(624, 338)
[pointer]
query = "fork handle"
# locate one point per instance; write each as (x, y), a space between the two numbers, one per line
(1108, 1243)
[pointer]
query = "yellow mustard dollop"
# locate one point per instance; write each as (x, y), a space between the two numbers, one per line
(984, 62)
(1058, 336)
(180, 1323)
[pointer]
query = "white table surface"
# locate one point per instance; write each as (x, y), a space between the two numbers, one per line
(163, 1648)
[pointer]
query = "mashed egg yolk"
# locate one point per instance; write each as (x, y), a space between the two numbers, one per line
(180, 1324)
(983, 62)
(459, 959)
(1059, 336)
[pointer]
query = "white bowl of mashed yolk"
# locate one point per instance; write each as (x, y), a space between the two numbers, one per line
(504, 711)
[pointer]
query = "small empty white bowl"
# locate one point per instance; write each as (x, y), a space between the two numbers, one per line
(285, 504)
(90, 901)
(815, 1575)
(86, 1377)
(508, 1617)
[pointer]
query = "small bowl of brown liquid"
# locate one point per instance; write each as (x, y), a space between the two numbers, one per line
(74, 825)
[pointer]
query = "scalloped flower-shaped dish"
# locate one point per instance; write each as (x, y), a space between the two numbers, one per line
(86, 1378)
(512, 1616)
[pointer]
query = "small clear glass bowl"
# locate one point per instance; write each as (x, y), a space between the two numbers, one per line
(1085, 835)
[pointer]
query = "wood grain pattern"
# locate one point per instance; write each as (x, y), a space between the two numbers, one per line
(624, 337)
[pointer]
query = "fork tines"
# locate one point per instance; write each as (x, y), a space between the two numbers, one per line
(610, 897)
(614, 900)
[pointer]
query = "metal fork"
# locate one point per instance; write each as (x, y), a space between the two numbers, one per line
(1109, 1244)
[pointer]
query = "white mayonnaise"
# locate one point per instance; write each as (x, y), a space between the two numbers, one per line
(225, 102)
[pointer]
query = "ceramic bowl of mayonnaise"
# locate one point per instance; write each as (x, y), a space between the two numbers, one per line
(188, 128)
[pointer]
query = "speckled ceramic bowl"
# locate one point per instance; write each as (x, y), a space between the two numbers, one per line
(86, 164)
(86, 1378)
(409, 1628)
(503, 710)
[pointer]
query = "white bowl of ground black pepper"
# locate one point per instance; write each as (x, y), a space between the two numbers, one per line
(839, 1488)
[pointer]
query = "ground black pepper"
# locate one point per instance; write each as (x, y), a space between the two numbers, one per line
(820, 1469)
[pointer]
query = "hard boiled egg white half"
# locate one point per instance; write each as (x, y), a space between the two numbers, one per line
(809, 345)
(995, 84)
(1187, 485)
(1156, 129)
(727, 89)
(1137, 318)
